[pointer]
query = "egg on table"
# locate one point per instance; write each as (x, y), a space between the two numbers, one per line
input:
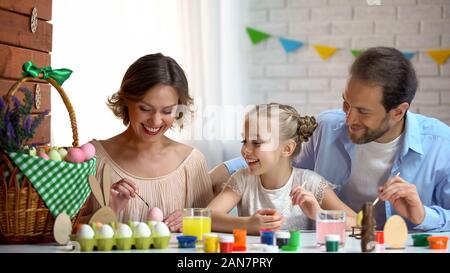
(85, 232)
(142, 230)
(124, 231)
(106, 231)
(161, 229)
(156, 214)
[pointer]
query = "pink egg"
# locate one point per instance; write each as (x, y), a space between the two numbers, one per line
(43, 155)
(75, 155)
(155, 214)
(88, 150)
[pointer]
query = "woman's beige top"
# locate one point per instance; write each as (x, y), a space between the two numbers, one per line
(188, 186)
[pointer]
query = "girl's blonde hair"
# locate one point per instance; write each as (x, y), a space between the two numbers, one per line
(291, 124)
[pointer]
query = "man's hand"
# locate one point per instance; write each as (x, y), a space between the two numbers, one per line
(405, 199)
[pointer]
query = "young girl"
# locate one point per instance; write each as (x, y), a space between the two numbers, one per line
(270, 193)
(165, 173)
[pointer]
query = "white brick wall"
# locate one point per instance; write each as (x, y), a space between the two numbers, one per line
(305, 81)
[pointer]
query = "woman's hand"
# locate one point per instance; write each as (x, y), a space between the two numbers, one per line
(265, 219)
(121, 193)
(306, 201)
(174, 221)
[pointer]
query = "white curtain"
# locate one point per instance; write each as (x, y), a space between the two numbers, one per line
(212, 34)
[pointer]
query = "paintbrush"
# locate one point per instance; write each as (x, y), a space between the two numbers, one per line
(142, 199)
(135, 191)
(287, 206)
(378, 198)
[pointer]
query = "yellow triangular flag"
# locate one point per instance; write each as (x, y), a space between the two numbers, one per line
(439, 56)
(325, 51)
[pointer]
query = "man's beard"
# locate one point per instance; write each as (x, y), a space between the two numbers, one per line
(371, 135)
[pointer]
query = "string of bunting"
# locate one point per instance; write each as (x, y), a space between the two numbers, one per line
(440, 56)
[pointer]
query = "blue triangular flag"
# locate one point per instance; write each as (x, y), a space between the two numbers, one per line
(409, 54)
(290, 45)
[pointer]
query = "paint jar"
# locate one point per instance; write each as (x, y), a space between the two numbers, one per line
(282, 238)
(379, 237)
(332, 242)
(211, 242)
(438, 242)
(240, 239)
(330, 222)
(226, 243)
(294, 241)
(267, 237)
(186, 241)
(196, 222)
(420, 239)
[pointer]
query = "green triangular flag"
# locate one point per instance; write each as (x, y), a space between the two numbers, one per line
(357, 52)
(257, 36)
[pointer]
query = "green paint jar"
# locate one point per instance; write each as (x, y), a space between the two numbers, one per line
(332, 242)
(420, 239)
(294, 241)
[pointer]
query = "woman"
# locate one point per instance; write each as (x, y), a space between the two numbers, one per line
(167, 174)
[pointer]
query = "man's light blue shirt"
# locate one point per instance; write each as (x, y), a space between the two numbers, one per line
(423, 160)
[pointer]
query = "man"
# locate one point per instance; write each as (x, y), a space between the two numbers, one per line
(376, 147)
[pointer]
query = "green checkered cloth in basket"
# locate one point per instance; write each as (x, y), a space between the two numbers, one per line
(63, 186)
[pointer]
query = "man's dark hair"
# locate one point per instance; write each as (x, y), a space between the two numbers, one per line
(388, 68)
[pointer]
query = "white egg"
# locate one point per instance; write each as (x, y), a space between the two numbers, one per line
(142, 230)
(133, 224)
(161, 229)
(153, 223)
(85, 232)
(124, 231)
(106, 231)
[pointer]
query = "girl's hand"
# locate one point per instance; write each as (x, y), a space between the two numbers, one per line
(121, 192)
(265, 219)
(306, 201)
(174, 221)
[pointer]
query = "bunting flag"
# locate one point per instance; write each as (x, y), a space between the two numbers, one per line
(409, 54)
(357, 52)
(325, 51)
(439, 56)
(290, 45)
(257, 36)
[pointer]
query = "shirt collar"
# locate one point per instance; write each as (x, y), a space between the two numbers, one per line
(413, 134)
(412, 138)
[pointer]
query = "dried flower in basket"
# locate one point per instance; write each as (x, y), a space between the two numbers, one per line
(17, 125)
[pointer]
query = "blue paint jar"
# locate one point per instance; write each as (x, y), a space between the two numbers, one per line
(186, 241)
(267, 237)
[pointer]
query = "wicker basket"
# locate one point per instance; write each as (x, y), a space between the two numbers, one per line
(24, 217)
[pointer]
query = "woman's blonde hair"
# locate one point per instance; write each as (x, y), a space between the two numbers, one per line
(291, 124)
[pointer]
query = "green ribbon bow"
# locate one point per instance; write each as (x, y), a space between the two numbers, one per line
(59, 75)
